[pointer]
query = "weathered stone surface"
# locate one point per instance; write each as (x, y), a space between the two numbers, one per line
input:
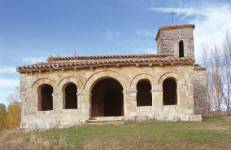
(127, 76)
(200, 93)
(168, 42)
(191, 89)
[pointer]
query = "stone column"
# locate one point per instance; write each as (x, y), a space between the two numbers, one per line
(58, 99)
(190, 100)
(130, 103)
(84, 104)
(157, 98)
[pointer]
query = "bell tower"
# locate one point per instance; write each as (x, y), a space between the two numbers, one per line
(176, 40)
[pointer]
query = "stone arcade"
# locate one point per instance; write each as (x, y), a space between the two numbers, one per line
(67, 91)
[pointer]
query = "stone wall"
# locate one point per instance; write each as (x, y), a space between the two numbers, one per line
(128, 78)
(168, 42)
(200, 93)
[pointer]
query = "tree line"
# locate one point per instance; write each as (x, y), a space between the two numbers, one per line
(218, 63)
(10, 117)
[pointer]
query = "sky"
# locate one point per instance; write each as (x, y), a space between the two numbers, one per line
(32, 30)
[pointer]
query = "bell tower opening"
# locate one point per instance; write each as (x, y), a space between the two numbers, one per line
(181, 49)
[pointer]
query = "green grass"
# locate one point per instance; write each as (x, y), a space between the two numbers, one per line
(212, 133)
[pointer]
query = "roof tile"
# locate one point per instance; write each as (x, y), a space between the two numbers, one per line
(81, 62)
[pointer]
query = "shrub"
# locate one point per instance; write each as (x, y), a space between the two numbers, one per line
(2, 116)
(13, 117)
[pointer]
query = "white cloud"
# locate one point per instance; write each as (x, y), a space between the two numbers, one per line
(137, 51)
(6, 91)
(186, 11)
(144, 33)
(146, 50)
(34, 59)
(212, 22)
(112, 34)
(7, 69)
(6, 83)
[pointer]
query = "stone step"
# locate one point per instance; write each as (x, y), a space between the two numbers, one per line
(105, 123)
(105, 120)
(108, 118)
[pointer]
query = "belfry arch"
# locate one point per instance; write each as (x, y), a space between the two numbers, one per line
(181, 48)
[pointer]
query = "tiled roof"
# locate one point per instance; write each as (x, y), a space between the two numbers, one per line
(170, 27)
(83, 62)
(58, 58)
(173, 27)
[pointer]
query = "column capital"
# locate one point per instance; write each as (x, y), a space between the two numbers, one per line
(83, 92)
(129, 91)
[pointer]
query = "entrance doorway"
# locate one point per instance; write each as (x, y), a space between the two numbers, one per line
(107, 98)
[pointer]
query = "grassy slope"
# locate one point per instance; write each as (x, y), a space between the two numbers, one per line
(212, 133)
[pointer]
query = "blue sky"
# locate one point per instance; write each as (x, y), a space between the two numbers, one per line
(32, 30)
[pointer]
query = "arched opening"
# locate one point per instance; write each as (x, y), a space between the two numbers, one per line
(70, 96)
(181, 49)
(169, 91)
(45, 98)
(144, 94)
(107, 98)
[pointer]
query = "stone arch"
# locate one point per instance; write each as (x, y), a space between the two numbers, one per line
(36, 90)
(70, 79)
(41, 81)
(63, 83)
(45, 97)
(107, 98)
(144, 93)
(141, 76)
(169, 91)
(70, 98)
(105, 74)
(168, 75)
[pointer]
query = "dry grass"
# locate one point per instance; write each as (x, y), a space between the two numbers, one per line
(17, 140)
(118, 144)
(211, 134)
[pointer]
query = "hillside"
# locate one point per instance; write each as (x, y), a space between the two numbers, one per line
(212, 133)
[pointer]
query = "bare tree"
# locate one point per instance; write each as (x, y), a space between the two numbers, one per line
(227, 72)
(218, 63)
(15, 96)
(205, 62)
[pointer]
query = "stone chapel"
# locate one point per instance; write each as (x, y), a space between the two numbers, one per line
(75, 90)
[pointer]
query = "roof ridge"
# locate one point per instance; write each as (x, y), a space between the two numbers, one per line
(59, 58)
(151, 61)
(174, 26)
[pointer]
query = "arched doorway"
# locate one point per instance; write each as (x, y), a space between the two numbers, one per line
(45, 97)
(144, 94)
(170, 91)
(107, 98)
(70, 96)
